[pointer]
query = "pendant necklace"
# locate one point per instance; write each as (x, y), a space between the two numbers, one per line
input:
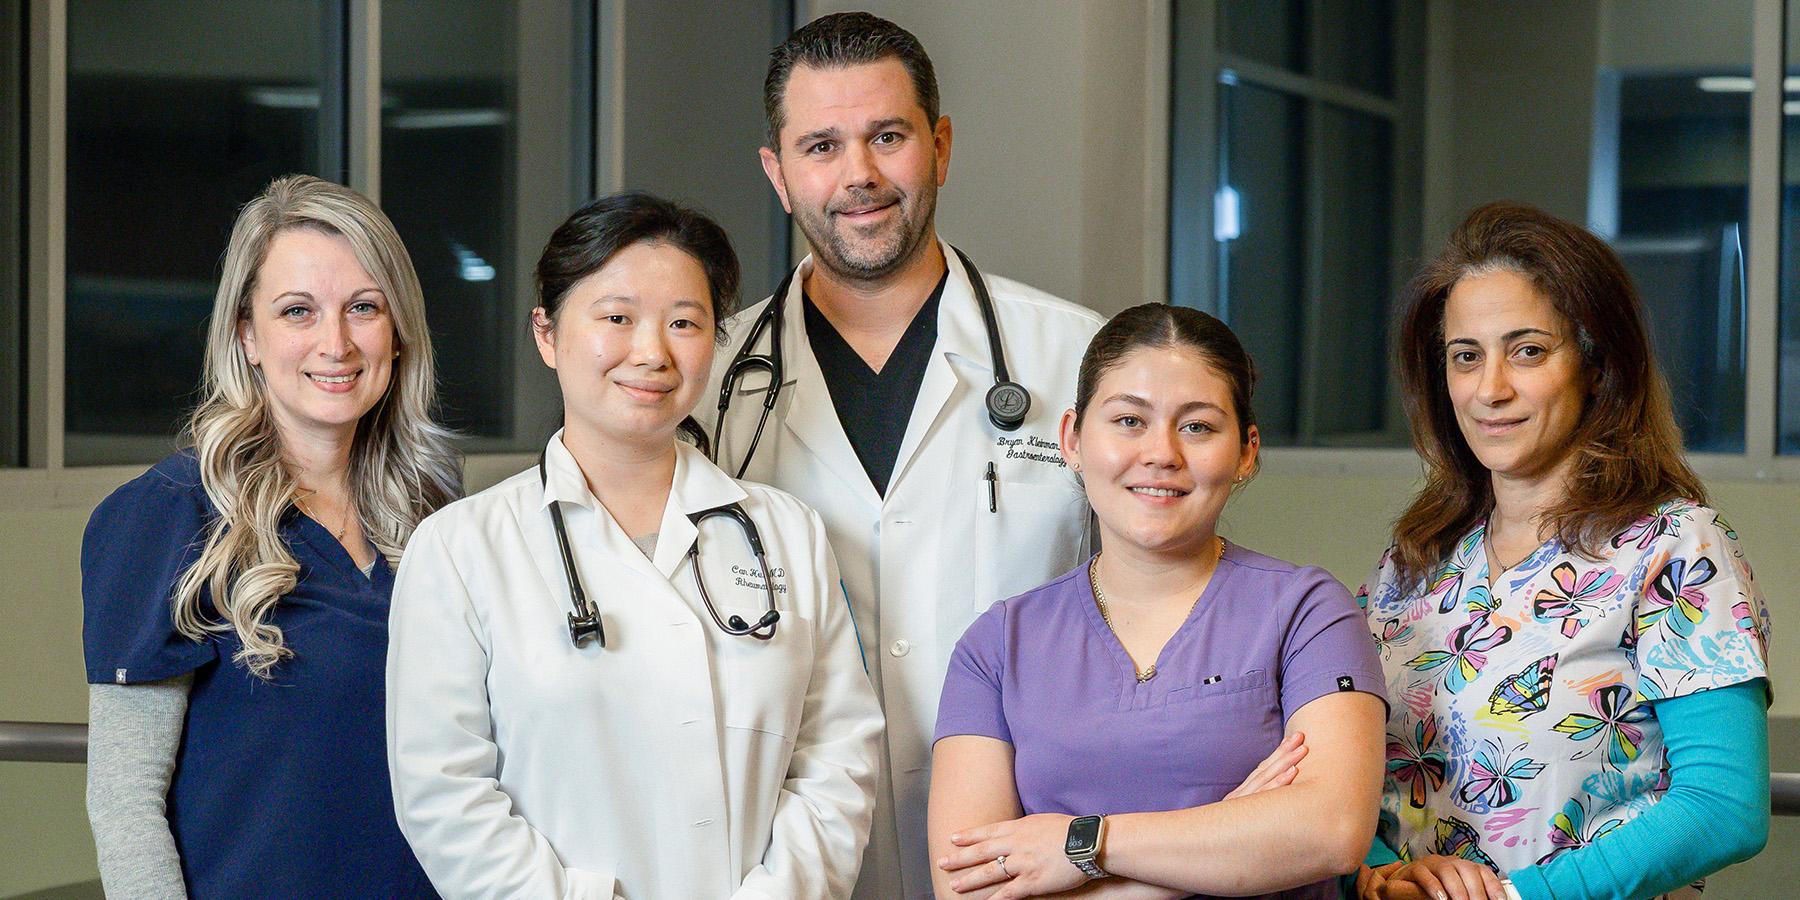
(339, 534)
(1142, 675)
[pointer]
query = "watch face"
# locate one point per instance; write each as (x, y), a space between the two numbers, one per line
(1084, 833)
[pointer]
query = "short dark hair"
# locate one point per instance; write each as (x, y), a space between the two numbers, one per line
(840, 40)
(595, 233)
(1162, 325)
(1627, 449)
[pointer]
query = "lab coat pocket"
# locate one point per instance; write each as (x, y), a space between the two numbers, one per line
(1027, 532)
(1217, 733)
(763, 684)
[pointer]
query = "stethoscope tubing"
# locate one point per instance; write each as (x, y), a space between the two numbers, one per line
(1007, 401)
(585, 622)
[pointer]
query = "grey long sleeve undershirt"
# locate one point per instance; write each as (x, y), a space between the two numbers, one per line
(134, 731)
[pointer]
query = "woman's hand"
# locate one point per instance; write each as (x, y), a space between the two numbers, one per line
(1276, 769)
(1369, 882)
(1033, 850)
(1441, 878)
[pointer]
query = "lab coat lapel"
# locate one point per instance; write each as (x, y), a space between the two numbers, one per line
(961, 341)
(699, 485)
(595, 537)
(810, 415)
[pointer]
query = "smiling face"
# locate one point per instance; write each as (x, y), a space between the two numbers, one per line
(632, 345)
(859, 166)
(1159, 450)
(1514, 373)
(320, 332)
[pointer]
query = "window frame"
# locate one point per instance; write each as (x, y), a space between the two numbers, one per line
(44, 480)
(1760, 460)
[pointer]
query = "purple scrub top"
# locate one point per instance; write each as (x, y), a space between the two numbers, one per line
(1043, 672)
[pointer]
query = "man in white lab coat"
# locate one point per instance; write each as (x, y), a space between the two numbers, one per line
(887, 418)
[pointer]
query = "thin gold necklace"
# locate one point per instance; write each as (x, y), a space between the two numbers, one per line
(1105, 616)
(339, 534)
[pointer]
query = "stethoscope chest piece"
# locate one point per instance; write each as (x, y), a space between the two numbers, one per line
(586, 628)
(1007, 405)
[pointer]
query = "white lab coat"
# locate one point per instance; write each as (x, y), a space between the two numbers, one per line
(922, 562)
(678, 761)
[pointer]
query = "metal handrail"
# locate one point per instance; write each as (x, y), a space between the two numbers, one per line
(1784, 793)
(43, 742)
(67, 742)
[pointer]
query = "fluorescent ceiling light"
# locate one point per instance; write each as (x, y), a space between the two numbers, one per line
(1742, 84)
(284, 97)
(447, 118)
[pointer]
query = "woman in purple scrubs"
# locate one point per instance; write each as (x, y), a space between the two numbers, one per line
(1130, 729)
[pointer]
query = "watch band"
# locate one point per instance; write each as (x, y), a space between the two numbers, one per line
(1512, 892)
(1088, 868)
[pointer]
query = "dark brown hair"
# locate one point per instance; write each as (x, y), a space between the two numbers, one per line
(1627, 449)
(840, 40)
(1161, 325)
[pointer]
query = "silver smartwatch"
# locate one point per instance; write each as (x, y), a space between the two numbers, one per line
(1087, 834)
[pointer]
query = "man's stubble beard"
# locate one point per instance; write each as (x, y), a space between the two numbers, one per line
(834, 251)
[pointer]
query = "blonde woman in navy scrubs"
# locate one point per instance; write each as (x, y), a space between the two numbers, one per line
(236, 595)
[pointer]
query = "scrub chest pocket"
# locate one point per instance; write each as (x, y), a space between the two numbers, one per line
(1215, 734)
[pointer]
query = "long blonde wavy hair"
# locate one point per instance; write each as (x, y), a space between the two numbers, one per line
(403, 465)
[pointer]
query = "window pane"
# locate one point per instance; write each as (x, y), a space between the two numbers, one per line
(1272, 32)
(1787, 420)
(1348, 333)
(1346, 42)
(170, 130)
(1304, 262)
(12, 244)
(481, 158)
(715, 169)
(1261, 260)
(1683, 201)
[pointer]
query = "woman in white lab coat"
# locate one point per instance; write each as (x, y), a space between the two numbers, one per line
(582, 718)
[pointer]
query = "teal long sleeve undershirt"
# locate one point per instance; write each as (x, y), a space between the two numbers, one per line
(1715, 813)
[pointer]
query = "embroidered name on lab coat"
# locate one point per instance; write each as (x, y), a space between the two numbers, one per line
(1033, 448)
(752, 577)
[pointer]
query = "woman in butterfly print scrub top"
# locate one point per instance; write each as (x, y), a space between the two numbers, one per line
(1574, 643)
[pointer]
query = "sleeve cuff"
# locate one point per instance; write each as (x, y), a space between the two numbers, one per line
(1296, 693)
(1531, 884)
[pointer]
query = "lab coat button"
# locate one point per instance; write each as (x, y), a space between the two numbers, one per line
(900, 648)
(703, 823)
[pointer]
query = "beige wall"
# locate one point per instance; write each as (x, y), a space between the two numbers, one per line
(1052, 182)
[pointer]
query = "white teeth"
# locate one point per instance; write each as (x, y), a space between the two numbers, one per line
(335, 379)
(1157, 492)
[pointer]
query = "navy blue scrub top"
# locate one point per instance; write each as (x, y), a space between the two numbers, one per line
(281, 787)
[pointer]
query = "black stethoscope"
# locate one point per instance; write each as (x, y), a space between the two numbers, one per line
(1007, 401)
(584, 622)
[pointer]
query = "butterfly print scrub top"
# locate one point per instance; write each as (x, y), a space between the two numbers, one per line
(1522, 721)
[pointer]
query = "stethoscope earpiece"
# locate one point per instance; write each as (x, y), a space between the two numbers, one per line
(1007, 405)
(737, 625)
